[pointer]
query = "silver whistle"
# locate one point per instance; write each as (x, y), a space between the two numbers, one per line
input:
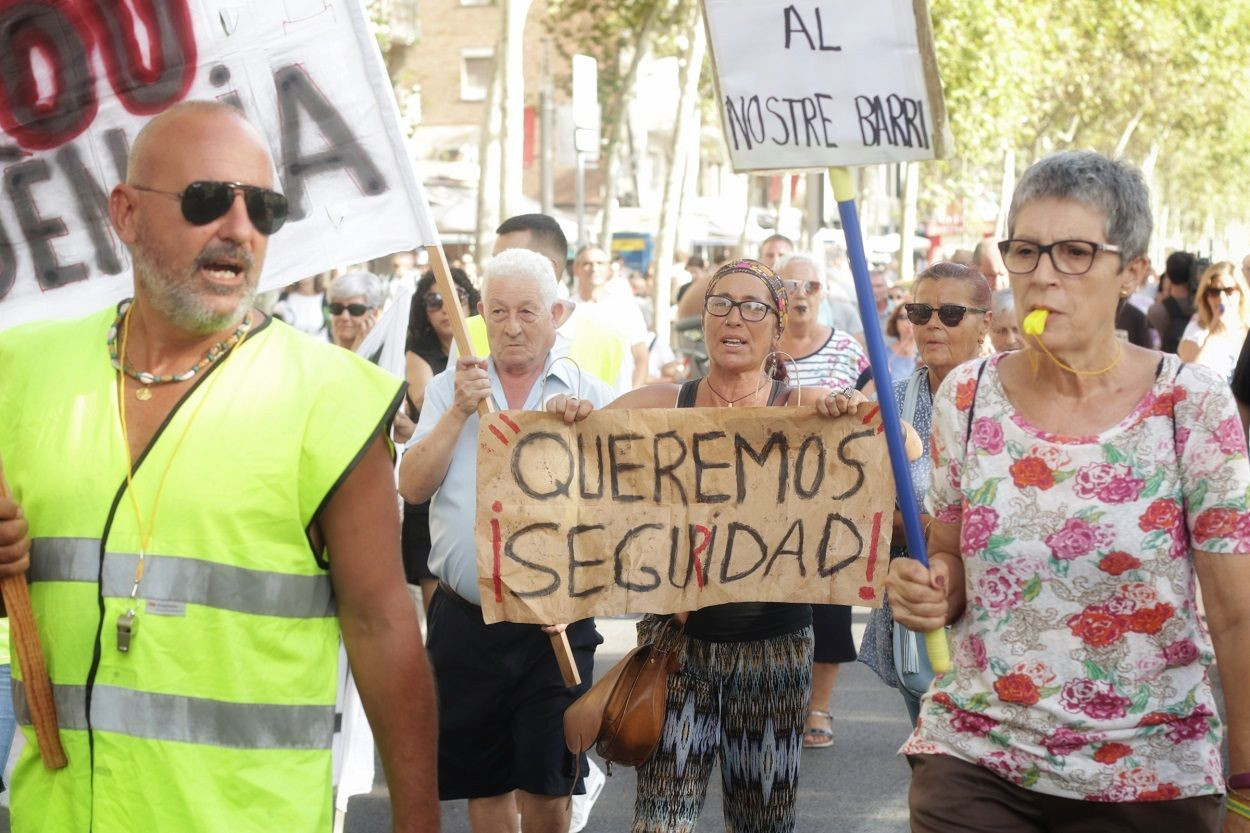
(126, 627)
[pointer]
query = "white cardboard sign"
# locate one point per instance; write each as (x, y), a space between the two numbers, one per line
(79, 78)
(827, 83)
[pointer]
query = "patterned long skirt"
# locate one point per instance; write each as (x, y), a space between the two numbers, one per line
(742, 704)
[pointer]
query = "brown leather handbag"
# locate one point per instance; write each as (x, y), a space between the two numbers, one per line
(622, 715)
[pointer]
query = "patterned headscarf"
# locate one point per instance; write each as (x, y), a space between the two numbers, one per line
(767, 276)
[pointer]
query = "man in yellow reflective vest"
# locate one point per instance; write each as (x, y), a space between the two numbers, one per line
(201, 498)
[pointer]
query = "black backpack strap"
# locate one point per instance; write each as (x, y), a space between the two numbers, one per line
(685, 396)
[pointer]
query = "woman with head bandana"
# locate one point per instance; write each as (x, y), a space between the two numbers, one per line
(742, 690)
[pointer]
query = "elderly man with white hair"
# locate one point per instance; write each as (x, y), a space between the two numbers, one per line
(501, 697)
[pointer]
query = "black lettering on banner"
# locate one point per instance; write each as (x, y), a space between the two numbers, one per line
(119, 150)
(574, 593)
(8, 263)
(147, 84)
(795, 25)
(800, 458)
(581, 467)
(797, 552)
(666, 470)
(809, 119)
(822, 552)
(825, 121)
(700, 466)
(777, 440)
(852, 462)
(768, 105)
(618, 563)
(559, 488)
(619, 467)
(740, 118)
(219, 76)
(899, 121)
(509, 551)
(298, 99)
(700, 541)
(734, 528)
(93, 208)
(27, 29)
(39, 231)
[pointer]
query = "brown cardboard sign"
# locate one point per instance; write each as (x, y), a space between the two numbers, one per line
(663, 510)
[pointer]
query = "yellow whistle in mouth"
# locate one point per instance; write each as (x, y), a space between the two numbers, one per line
(1035, 322)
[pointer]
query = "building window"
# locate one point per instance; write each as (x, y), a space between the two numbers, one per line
(477, 66)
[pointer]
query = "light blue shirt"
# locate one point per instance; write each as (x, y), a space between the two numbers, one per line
(453, 509)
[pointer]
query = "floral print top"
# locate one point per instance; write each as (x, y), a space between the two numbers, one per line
(1080, 667)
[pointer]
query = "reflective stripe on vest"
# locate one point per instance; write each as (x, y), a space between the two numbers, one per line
(190, 580)
(186, 719)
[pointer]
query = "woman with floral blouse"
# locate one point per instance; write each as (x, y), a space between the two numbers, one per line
(1082, 487)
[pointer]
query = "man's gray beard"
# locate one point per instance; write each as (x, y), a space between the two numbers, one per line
(182, 307)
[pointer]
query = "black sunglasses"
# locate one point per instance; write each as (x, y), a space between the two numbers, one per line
(204, 201)
(356, 310)
(948, 314)
(434, 300)
(1212, 291)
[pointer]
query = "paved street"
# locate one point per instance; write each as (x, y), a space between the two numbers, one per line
(859, 786)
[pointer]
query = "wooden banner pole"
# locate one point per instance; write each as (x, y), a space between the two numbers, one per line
(24, 639)
(460, 334)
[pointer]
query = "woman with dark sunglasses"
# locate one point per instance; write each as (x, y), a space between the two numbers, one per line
(944, 292)
(1083, 489)
(429, 344)
(1218, 329)
(354, 301)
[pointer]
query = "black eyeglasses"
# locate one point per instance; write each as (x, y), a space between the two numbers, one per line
(434, 300)
(948, 314)
(1069, 257)
(721, 306)
(356, 310)
(1212, 291)
(808, 287)
(204, 201)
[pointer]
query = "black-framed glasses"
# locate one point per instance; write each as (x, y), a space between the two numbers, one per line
(948, 314)
(807, 287)
(722, 305)
(204, 201)
(1069, 257)
(1212, 291)
(434, 300)
(355, 310)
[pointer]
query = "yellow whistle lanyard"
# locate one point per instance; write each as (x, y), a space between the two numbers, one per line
(1119, 353)
(145, 531)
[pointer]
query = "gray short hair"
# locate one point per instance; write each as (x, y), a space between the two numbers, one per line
(801, 260)
(1116, 189)
(521, 263)
(1004, 302)
(350, 284)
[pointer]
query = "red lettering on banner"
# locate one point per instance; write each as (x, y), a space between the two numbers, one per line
(62, 35)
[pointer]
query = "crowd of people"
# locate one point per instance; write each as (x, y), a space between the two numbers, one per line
(235, 508)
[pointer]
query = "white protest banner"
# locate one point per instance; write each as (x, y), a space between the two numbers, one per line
(666, 509)
(79, 78)
(827, 83)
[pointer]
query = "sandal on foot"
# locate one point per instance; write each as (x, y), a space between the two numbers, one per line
(818, 737)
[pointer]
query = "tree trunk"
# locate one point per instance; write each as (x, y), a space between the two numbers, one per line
(666, 240)
(907, 228)
(611, 151)
(488, 218)
(511, 73)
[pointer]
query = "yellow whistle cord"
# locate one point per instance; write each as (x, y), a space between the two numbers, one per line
(1033, 325)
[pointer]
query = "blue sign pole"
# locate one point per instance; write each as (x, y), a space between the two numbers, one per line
(844, 193)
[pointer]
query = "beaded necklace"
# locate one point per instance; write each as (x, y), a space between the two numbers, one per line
(147, 379)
